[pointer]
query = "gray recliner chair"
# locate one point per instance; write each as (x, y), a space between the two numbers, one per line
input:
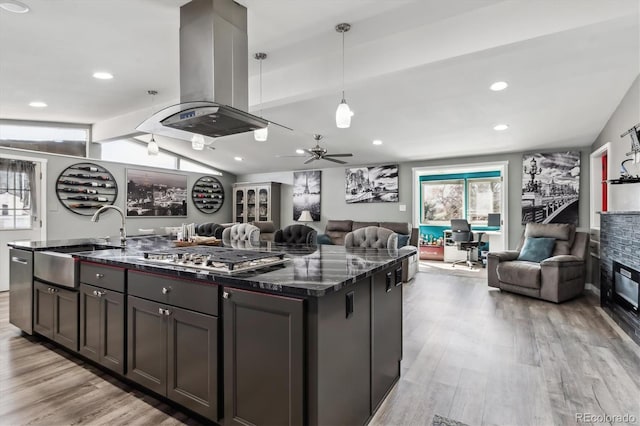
(557, 278)
(372, 237)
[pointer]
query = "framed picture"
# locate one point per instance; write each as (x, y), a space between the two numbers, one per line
(550, 187)
(156, 194)
(378, 184)
(306, 193)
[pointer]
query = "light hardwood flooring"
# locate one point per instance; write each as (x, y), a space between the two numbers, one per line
(472, 354)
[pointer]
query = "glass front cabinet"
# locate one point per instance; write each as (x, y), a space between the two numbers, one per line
(256, 202)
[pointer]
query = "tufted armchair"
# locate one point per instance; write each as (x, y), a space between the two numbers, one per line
(557, 278)
(372, 237)
(242, 232)
(267, 229)
(296, 234)
(210, 229)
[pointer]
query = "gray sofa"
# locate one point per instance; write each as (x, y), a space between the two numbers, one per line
(557, 278)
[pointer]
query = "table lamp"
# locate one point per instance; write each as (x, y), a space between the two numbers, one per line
(305, 216)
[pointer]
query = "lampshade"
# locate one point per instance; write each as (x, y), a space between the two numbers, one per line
(343, 115)
(197, 142)
(261, 135)
(152, 147)
(305, 216)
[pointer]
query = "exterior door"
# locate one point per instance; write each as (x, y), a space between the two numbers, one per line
(22, 230)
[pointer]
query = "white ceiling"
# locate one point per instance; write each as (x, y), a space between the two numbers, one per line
(417, 73)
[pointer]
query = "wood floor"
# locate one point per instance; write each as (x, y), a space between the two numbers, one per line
(475, 355)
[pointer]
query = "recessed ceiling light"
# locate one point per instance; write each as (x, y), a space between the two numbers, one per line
(237, 158)
(500, 127)
(37, 104)
(14, 6)
(377, 142)
(102, 75)
(299, 151)
(498, 86)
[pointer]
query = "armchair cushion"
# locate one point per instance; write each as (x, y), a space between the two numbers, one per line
(521, 273)
(564, 234)
(337, 229)
(242, 232)
(296, 234)
(536, 249)
(504, 256)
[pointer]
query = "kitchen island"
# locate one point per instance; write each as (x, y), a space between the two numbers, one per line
(315, 340)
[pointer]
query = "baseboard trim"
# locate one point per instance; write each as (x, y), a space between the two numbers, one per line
(624, 336)
(592, 288)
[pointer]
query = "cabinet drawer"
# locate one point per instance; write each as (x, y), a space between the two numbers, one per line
(109, 277)
(172, 291)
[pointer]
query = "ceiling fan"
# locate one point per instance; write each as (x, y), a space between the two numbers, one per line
(320, 153)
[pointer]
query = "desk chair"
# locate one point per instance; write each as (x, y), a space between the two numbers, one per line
(463, 237)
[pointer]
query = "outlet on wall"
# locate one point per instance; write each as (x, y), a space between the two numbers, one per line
(403, 207)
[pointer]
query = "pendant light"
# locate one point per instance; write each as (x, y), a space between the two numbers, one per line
(261, 135)
(197, 142)
(152, 146)
(343, 113)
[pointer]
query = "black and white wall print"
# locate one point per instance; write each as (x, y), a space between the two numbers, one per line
(156, 193)
(306, 193)
(378, 184)
(550, 187)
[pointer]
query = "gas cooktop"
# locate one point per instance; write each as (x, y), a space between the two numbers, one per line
(215, 259)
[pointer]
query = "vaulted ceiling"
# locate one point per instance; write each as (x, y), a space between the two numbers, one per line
(417, 73)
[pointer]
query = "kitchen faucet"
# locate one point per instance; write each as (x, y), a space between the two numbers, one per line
(123, 232)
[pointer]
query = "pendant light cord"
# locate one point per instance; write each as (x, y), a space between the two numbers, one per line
(343, 65)
(260, 87)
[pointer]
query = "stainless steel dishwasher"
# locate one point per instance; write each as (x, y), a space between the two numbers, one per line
(21, 289)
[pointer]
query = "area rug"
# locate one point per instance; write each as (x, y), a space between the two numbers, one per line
(445, 421)
(438, 267)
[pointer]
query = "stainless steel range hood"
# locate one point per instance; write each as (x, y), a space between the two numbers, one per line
(213, 75)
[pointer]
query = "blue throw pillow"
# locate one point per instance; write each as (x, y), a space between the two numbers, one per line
(323, 239)
(403, 240)
(537, 249)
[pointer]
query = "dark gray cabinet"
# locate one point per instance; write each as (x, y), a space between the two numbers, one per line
(56, 314)
(174, 352)
(339, 351)
(263, 359)
(102, 326)
(386, 318)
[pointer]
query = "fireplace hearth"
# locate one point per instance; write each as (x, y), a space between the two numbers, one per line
(620, 269)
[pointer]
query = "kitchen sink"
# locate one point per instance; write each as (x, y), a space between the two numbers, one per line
(58, 266)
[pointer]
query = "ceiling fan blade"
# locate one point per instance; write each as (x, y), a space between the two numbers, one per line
(309, 160)
(288, 156)
(308, 151)
(334, 160)
(338, 155)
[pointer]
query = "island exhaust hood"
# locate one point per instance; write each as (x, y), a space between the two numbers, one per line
(214, 76)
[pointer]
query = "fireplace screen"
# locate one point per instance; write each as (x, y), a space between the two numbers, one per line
(625, 285)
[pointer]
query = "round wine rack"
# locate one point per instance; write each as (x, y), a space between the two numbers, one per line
(85, 187)
(207, 194)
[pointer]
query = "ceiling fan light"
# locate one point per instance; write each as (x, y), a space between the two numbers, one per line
(197, 142)
(152, 147)
(261, 135)
(14, 6)
(343, 115)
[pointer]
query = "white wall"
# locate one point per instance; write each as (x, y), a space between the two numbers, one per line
(334, 206)
(63, 224)
(627, 114)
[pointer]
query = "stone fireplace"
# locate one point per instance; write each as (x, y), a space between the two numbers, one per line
(620, 269)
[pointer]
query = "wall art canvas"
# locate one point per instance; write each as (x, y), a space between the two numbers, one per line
(306, 193)
(378, 184)
(156, 194)
(551, 187)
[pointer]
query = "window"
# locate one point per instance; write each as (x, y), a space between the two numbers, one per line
(442, 200)
(191, 166)
(131, 152)
(16, 203)
(484, 197)
(43, 137)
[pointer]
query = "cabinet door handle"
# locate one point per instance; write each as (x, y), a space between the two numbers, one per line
(226, 295)
(19, 260)
(167, 312)
(166, 290)
(398, 277)
(349, 300)
(389, 285)
(95, 292)
(161, 311)
(99, 276)
(101, 293)
(52, 290)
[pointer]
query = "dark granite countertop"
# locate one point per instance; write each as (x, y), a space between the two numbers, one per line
(57, 244)
(310, 270)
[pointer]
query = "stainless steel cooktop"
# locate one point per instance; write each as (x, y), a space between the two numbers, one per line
(215, 259)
